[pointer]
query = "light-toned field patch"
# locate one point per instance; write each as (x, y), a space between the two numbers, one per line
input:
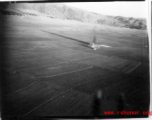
(101, 61)
(31, 63)
(61, 69)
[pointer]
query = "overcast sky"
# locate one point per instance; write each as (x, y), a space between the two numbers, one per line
(126, 9)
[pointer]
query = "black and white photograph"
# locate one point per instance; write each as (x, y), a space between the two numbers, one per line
(75, 59)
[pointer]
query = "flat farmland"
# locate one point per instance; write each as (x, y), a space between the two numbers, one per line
(48, 69)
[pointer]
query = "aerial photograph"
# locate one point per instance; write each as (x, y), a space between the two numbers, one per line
(74, 60)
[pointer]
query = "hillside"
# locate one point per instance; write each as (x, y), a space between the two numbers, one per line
(63, 11)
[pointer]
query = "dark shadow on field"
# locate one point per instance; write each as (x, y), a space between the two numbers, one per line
(87, 46)
(82, 42)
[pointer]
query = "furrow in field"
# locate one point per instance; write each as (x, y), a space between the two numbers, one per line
(142, 70)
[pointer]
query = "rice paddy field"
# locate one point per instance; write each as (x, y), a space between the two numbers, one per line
(48, 70)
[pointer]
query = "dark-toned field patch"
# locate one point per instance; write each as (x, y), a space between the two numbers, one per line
(82, 78)
(130, 87)
(12, 82)
(71, 103)
(126, 66)
(142, 70)
(28, 99)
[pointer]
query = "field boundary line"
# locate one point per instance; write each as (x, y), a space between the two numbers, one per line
(23, 88)
(89, 112)
(117, 64)
(47, 102)
(134, 67)
(65, 73)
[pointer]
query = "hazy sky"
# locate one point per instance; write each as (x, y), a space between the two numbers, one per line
(126, 9)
